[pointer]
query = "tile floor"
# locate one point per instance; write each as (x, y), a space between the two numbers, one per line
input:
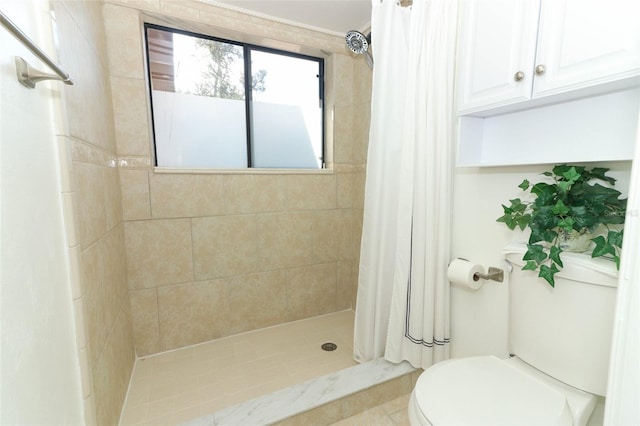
(392, 413)
(184, 384)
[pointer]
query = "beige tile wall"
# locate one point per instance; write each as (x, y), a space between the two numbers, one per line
(213, 254)
(93, 213)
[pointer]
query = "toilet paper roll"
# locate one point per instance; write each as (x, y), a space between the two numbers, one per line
(462, 273)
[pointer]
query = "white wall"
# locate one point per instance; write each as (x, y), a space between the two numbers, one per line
(479, 319)
(40, 379)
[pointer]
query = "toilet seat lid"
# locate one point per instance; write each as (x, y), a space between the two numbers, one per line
(487, 391)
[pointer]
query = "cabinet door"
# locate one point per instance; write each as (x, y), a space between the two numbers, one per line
(497, 40)
(583, 43)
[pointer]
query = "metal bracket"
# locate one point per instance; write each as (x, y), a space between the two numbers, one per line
(29, 76)
(495, 274)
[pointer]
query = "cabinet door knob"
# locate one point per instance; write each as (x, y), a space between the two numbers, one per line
(518, 76)
(540, 69)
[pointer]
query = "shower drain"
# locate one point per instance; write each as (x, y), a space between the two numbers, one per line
(329, 346)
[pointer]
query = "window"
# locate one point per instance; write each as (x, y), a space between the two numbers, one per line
(223, 104)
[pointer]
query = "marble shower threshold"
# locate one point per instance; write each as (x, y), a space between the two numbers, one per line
(323, 400)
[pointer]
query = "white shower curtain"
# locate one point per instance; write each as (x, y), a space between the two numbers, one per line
(402, 309)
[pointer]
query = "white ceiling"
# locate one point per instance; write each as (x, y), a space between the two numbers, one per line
(338, 16)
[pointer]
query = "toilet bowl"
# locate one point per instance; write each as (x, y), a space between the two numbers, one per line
(560, 338)
(488, 390)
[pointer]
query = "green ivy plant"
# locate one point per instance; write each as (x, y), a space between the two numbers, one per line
(570, 199)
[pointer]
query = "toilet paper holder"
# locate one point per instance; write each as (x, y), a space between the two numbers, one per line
(495, 274)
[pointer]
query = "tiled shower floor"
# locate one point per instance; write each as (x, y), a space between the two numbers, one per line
(184, 384)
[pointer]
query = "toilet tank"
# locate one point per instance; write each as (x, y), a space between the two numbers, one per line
(564, 331)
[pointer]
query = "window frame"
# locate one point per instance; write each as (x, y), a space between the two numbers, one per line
(246, 48)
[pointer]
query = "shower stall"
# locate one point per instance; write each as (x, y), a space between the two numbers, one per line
(165, 265)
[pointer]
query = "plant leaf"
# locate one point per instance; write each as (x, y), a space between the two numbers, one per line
(599, 173)
(523, 221)
(572, 175)
(530, 266)
(547, 272)
(536, 253)
(602, 247)
(564, 168)
(517, 205)
(615, 238)
(560, 208)
(566, 224)
(524, 185)
(564, 186)
(554, 255)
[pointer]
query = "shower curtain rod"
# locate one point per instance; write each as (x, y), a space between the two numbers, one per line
(27, 75)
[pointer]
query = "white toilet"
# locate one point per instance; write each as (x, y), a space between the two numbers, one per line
(560, 339)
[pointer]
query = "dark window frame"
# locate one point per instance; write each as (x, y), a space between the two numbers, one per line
(247, 48)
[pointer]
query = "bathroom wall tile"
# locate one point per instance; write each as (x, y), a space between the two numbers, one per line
(153, 5)
(92, 218)
(91, 268)
(112, 372)
(83, 152)
(343, 74)
(97, 328)
(357, 232)
(343, 134)
(359, 180)
(326, 235)
(326, 414)
(88, 18)
(310, 192)
(360, 134)
(315, 40)
(186, 195)
(311, 290)
(130, 107)
(124, 41)
(348, 244)
(347, 284)
(105, 289)
(179, 9)
(219, 19)
(284, 240)
(113, 196)
(362, 81)
(344, 190)
(192, 313)
(135, 194)
(257, 300)
(141, 162)
(254, 193)
(89, 96)
(114, 280)
(224, 246)
(158, 252)
(376, 395)
(144, 316)
(89, 406)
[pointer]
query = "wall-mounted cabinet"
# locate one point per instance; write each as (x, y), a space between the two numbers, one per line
(516, 50)
(547, 64)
